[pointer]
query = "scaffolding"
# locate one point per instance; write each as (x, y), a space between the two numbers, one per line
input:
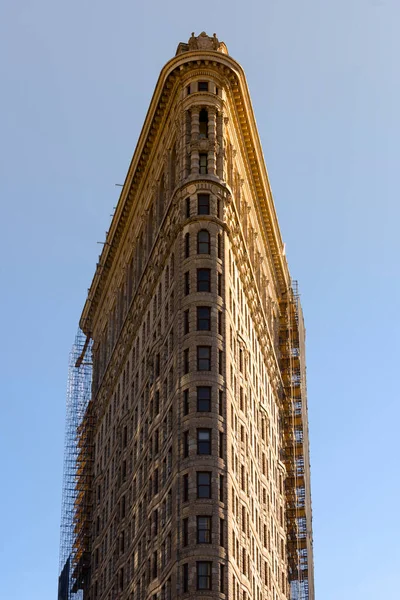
(295, 446)
(78, 454)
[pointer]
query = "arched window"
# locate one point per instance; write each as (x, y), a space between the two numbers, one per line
(203, 242)
(203, 123)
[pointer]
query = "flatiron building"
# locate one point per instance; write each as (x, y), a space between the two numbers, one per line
(190, 462)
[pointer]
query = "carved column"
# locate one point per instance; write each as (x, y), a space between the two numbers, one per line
(187, 136)
(180, 147)
(220, 146)
(194, 162)
(212, 136)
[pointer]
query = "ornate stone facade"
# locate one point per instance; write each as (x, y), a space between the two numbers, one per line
(185, 310)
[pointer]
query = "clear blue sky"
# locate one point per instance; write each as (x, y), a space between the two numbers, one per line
(76, 79)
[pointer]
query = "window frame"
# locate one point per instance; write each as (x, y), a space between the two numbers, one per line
(207, 577)
(186, 402)
(204, 320)
(186, 361)
(201, 364)
(187, 283)
(187, 245)
(185, 485)
(203, 124)
(206, 530)
(203, 486)
(205, 400)
(203, 246)
(204, 282)
(185, 532)
(204, 446)
(203, 163)
(203, 204)
(185, 444)
(185, 577)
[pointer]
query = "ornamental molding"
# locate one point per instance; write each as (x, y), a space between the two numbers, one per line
(163, 97)
(252, 293)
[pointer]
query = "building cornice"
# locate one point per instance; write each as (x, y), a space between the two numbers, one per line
(149, 137)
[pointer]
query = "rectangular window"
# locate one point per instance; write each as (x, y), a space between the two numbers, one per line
(185, 532)
(204, 530)
(204, 280)
(203, 318)
(204, 399)
(188, 89)
(156, 481)
(202, 86)
(185, 488)
(219, 247)
(220, 362)
(204, 358)
(221, 444)
(187, 245)
(220, 284)
(220, 402)
(220, 322)
(187, 208)
(186, 444)
(203, 242)
(221, 532)
(204, 441)
(186, 402)
(186, 361)
(221, 488)
(203, 164)
(203, 204)
(204, 575)
(154, 565)
(204, 484)
(186, 322)
(222, 579)
(185, 577)
(187, 283)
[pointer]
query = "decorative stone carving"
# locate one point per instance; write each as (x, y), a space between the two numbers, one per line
(204, 42)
